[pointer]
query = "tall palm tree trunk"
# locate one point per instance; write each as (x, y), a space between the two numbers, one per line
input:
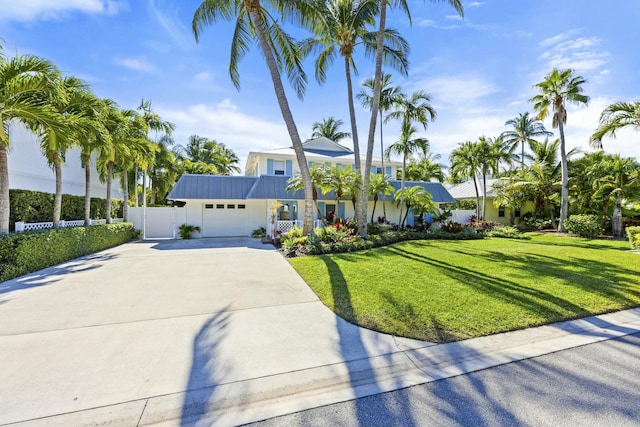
(475, 184)
(86, 160)
(373, 212)
(404, 167)
(135, 185)
(564, 205)
(375, 108)
(144, 188)
(352, 115)
(484, 196)
(253, 7)
(4, 191)
(384, 209)
(109, 181)
(57, 199)
(154, 187)
(125, 191)
(357, 207)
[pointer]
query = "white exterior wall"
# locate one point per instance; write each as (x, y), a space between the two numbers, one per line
(261, 168)
(29, 170)
(223, 222)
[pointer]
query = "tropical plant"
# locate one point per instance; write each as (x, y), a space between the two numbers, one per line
(465, 164)
(252, 20)
(615, 117)
(525, 130)
(329, 128)
(622, 180)
(377, 79)
(162, 131)
(389, 95)
(206, 157)
(379, 185)
(343, 181)
(587, 226)
(318, 174)
(425, 168)
(187, 230)
(405, 146)
(27, 83)
(557, 89)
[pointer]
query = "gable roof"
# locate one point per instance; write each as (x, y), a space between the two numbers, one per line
(325, 145)
(212, 187)
(466, 190)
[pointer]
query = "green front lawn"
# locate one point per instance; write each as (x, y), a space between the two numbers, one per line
(444, 291)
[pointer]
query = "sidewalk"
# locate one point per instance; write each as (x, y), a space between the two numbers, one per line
(214, 332)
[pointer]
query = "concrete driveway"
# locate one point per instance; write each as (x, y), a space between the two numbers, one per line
(168, 331)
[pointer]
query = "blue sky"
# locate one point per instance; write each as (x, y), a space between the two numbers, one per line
(479, 70)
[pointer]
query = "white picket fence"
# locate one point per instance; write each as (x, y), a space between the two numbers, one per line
(31, 226)
(282, 227)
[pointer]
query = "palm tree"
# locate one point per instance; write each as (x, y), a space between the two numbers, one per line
(377, 79)
(318, 175)
(379, 185)
(79, 117)
(615, 117)
(405, 146)
(344, 26)
(280, 53)
(389, 95)
(425, 168)
(25, 83)
(525, 130)
(207, 157)
(162, 130)
(621, 181)
(465, 164)
(342, 181)
(557, 89)
(413, 197)
(329, 128)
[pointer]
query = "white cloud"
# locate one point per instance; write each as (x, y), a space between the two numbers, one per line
(461, 89)
(581, 54)
(225, 123)
(475, 4)
(427, 23)
(32, 10)
(172, 25)
(204, 76)
(137, 64)
(453, 17)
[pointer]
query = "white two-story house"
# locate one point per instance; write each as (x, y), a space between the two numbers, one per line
(237, 205)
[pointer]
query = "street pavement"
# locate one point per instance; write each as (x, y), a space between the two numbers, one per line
(215, 332)
(596, 385)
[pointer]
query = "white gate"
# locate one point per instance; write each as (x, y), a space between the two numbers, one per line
(158, 223)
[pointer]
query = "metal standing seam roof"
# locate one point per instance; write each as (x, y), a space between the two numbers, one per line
(439, 194)
(466, 190)
(212, 187)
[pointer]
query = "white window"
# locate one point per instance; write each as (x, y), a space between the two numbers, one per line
(278, 167)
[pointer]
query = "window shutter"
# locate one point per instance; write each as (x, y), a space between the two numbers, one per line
(387, 171)
(321, 208)
(269, 166)
(288, 168)
(341, 209)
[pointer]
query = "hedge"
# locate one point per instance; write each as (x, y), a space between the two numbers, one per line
(587, 226)
(36, 206)
(22, 253)
(633, 233)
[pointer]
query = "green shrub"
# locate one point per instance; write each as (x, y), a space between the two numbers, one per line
(507, 233)
(633, 234)
(584, 226)
(187, 230)
(259, 232)
(530, 221)
(452, 227)
(22, 253)
(294, 233)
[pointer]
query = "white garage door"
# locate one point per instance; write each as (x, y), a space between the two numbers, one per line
(224, 219)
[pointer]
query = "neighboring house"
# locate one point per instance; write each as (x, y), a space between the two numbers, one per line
(501, 214)
(237, 205)
(29, 170)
